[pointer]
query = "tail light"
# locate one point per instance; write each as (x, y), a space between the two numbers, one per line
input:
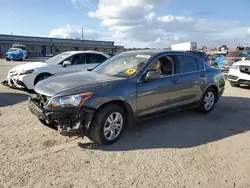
(230, 58)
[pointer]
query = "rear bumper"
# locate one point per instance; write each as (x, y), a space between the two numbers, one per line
(68, 121)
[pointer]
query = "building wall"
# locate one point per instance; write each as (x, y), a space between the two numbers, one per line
(35, 46)
(4, 48)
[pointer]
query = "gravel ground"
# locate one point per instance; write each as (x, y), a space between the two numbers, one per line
(180, 150)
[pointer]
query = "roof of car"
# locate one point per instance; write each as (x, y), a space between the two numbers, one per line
(87, 51)
(154, 52)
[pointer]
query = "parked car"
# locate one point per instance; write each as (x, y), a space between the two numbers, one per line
(16, 54)
(202, 55)
(239, 73)
(126, 88)
(23, 47)
(225, 62)
(27, 75)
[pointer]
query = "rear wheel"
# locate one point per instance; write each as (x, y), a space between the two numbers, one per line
(41, 77)
(208, 101)
(233, 84)
(107, 125)
(7, 59)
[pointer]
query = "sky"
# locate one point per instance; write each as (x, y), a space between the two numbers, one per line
(132, 23)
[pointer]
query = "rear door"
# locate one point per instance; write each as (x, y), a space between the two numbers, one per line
(193, 77)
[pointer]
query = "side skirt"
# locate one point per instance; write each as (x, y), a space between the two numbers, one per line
(193, 105)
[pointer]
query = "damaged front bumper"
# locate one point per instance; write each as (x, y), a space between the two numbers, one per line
(68, 121)
(13, 81)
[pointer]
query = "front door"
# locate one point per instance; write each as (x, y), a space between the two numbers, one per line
(78, 63)
(159, 94)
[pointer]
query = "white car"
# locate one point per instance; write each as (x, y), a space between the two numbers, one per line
(27, 75)
(239, 73)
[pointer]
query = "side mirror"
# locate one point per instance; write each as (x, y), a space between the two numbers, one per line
(243, 58)
(152, 75)
(65, 63)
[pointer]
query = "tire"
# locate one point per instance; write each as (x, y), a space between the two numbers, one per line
(208, 97)
(41, 77)
(233, 84)
(100, 123)
(7, 59)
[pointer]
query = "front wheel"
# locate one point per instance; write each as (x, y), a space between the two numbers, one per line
(107, 125)
(208, 101)
(233, 84)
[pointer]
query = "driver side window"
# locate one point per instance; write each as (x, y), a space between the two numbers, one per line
(77, 59)
(163, 64)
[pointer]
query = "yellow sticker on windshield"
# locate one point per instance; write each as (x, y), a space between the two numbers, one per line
(130, 71)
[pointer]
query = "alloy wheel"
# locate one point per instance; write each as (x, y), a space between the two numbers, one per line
(113, 126)
(209, 100)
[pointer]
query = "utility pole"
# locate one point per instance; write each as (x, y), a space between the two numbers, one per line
(82, 33)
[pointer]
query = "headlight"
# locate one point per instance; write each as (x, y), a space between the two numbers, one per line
(26, 71)
(235, 67)
(70, 101)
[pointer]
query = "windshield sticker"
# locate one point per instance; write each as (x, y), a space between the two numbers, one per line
(143, 56)
(130, 71)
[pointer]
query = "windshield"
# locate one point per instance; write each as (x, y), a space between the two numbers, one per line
(14, 49)
(123, 65)
(58, 58)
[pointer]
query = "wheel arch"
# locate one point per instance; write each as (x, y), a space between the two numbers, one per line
(42, 73)
(130, 118)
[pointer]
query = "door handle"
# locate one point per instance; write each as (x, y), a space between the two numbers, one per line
(174, 81)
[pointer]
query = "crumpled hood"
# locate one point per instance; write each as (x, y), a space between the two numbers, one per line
(62, 82)
(28, 66)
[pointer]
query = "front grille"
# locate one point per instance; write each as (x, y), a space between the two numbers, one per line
(245, 69)
(243, 81)
(232, 77)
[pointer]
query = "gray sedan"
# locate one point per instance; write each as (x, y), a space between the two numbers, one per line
(128, 87)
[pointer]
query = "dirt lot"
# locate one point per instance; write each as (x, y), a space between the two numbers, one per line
(179, 150)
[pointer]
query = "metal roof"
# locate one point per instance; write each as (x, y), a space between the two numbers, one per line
(53, 41)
